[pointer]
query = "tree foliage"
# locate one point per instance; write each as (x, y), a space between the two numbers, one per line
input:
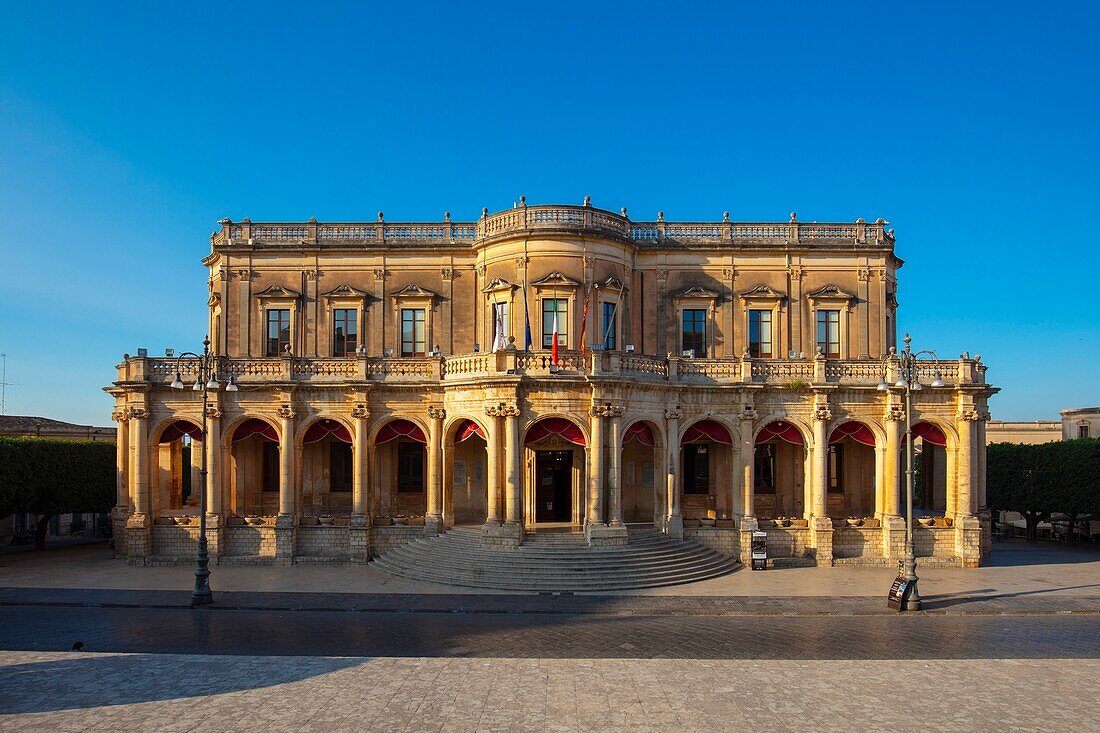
(47, 477)
(1040, 480)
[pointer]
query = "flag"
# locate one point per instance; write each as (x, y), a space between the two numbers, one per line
(526, 317)
(584, 321)
(554, 343)
(499, 342)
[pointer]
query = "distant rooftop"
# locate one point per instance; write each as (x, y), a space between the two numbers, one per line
(43, 426)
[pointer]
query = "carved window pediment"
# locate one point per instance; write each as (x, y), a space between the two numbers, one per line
(345, 292)
(612, 284)
(763, 293)
(556, 280)
(279, 292)
(696, 292)
(830, 293)
(415, 291)
(498, 285)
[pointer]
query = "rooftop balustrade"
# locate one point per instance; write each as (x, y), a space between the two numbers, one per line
(598, 365)
(526, 220)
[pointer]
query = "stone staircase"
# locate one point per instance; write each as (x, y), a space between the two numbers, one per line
(560, 561)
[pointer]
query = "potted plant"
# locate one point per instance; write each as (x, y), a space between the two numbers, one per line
(326, 519)
(871, 523)
(926, 521)
(254, 520)
(854, 521)
(799, 523)
(782, 521)
(400, 519)
(310, 521)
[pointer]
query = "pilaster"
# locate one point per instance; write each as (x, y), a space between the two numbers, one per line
(672, 431)
(433, 520)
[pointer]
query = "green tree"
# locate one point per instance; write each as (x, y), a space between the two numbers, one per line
(1040, 480)
(48, 477)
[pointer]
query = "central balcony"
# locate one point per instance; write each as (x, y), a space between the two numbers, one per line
(508, 364)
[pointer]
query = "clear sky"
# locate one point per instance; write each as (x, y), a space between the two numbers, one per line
(127, 131)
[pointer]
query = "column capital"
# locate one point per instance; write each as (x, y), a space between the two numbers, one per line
(435, 412)
(607, 410)
(968, 415)
(748, 412)
(286, 412)
(673, 413)
(120, 415)
(360, 412)
(213, 412)
(139, 413)
(894, 413)
(501, 409)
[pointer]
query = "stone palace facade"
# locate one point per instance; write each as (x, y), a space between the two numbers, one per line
(397, 379)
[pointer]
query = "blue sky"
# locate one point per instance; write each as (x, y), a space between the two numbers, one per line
(127, 131)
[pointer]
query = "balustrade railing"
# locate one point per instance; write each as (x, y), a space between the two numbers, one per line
(525, 218)
(600, 365)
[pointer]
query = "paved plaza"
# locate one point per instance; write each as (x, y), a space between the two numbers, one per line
(349, 648)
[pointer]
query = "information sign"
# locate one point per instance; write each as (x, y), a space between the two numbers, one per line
(759, 550)
(899, 593)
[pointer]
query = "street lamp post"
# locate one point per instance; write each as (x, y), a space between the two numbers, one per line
(908, 381)
(206, 379)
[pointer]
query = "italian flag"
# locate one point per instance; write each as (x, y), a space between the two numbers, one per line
(554, 343)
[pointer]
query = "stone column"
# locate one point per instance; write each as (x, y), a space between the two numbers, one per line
(359, 524)
(433, 521)
(965, 422)
(822, 415)
(748, 464)
(492, 472)
(212, 446)
(595, 468)
(614, 477)
(821, 534)
(512, 453)
(286, 522)
(121, 509)
(893, 525)
(139, 523)
(672, 430)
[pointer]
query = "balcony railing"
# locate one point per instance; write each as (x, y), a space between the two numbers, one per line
(525, 220)
(784, 373)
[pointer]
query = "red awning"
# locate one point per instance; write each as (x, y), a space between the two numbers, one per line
(707, 430)
(783, 431)
(929, 432)
(640, 432)
(400, 429)
(180, 428)
(322, 429)
(255, 426)
(857, 431)
(555, 426)
(468, 429)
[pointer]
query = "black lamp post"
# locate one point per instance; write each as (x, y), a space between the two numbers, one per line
(206, 379)
(908, 382)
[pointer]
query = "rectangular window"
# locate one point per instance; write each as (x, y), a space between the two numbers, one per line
(836, 470)
(414, 338)
(410, 467)
(549, 307)
(270, 466)
(696, 469)
(760, 334)
(345, 331)
(695, 332)
(764, 469)
(339, 466)
(278, 331)
(1082, 431)
(828, 333)
(500, 325)
(607, 326)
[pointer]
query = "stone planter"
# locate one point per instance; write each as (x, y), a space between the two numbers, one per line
(184, 521)
(800, 523)
(400, 519)
(854, 522)
(729, 523)
(926, 521)
(707, 522)
(235, 521)
(871, 523)
(326, 519)
(941, 522)
(310, 521)
(383, 521)
(781, 522)
(254, 521)
(692, 523)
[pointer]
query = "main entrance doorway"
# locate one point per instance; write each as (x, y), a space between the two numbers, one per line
(554, 487)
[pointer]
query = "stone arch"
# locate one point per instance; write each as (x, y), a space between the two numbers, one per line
(252, 468)
(157, 432)
(303, 429)
(938, 491)
(643, 492)
(853, 468)
(175, 464)
(231, 428)
(781, 471)
(465, 471)
(399, 469)
(324, 466)
(555, 472)
(707, 468)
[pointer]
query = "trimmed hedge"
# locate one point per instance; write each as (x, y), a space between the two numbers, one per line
(45, 476)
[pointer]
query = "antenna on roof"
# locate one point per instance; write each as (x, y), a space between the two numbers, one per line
(3, 382)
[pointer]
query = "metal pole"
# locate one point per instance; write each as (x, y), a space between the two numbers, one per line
(202, 596)
(913, 602)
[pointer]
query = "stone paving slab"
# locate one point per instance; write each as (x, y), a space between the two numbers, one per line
(327, 633)
(169, 693)
(498, 603)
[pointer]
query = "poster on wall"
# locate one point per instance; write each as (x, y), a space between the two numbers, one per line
(459, 472)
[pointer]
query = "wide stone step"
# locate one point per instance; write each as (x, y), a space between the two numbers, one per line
(555, 562)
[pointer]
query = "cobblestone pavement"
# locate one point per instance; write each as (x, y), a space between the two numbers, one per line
(549, 636)
(173, 693)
